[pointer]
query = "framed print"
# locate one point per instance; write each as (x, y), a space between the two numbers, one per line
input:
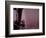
(24, 18)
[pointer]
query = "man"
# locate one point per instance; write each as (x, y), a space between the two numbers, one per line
(18, 19)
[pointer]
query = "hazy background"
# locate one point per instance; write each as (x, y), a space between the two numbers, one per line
(30, 17)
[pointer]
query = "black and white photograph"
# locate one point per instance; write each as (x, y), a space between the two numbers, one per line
(25, 18)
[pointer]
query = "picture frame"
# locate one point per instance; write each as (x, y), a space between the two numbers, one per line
(10, 6)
